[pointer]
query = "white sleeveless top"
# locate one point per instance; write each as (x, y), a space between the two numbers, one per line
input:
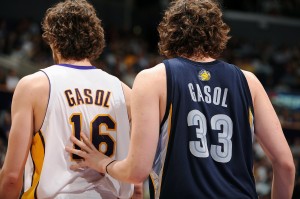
(82, 98)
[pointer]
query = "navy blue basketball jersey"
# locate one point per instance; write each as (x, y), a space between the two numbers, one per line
(205, 141)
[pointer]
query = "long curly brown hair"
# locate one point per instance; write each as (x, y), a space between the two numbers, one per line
(73, 29)
(192, 28)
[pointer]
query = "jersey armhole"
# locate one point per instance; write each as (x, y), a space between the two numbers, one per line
(248, 92)
(169, 91)
(251, 114)
(48, 104)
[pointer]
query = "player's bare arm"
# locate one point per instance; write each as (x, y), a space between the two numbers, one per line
(269, 134)
(138, 188)
(20, 137)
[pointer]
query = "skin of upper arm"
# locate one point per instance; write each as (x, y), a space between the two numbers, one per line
(145, 102)
(267, 126)
(138, 188)
(20, 135)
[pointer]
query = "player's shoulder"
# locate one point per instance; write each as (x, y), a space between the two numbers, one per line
(32, 79)
(35, 82)
(153, 78)
(31, 87)
(153, 73)
(251, 78)
(254, 84)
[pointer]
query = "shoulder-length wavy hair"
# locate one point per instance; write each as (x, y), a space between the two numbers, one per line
(192, 28)
(73, 29)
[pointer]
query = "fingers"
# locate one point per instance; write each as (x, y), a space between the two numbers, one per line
(80, 165)
(75, 167)
(80, 153)
(81, 144)
(87, 141)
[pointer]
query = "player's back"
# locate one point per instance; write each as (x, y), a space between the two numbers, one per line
(81, 98)
(205, 143)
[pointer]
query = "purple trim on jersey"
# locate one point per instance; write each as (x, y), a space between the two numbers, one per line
(78, 67)
(49, 93)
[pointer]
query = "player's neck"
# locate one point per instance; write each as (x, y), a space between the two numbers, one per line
(203, 59)
(59, 60)
(84, 62)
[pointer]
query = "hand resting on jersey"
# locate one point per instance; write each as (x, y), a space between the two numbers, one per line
(92, 158)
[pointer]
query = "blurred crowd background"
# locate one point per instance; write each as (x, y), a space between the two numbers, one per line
(265, 40)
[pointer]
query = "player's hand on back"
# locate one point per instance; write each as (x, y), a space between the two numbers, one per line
(92, 158)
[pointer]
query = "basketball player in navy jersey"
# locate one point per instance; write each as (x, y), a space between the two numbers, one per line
(195, 117)
(63, 99)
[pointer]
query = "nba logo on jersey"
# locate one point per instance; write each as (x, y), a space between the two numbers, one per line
(204, 75)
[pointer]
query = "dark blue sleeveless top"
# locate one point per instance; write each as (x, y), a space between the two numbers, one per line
(205, 143)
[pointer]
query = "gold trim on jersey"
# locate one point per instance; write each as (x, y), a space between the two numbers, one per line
(37, 152)
(250, 118)
(251, 122)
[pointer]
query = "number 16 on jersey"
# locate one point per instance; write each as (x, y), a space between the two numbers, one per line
(101, 140)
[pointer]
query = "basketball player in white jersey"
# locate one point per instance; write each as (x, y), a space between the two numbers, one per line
(71, 96)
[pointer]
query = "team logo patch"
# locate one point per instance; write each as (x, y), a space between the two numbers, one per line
(204, 75)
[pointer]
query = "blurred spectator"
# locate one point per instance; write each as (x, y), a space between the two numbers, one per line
(2, 153)
(261, 171)
(12, 80)
(129, 76)
(270, 7)
(3, 35)
(2, 80)
(5, 123)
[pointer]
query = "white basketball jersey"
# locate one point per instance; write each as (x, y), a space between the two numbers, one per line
(82, 98)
